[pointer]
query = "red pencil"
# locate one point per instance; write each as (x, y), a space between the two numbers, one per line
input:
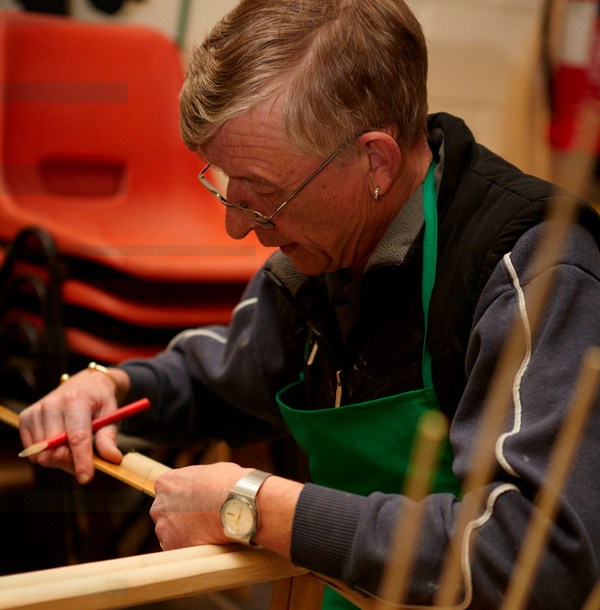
(99, 422)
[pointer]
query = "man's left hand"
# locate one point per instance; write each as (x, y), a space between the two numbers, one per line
(186, 511)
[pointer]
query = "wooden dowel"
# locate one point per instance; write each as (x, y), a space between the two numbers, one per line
(131, 471)
(142, 465)
(119, 583)
(431, 432)
(566, 446)
(133, 479)
(98, 568)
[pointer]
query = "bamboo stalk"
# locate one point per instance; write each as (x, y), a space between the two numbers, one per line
(431, 431)
(566, 446)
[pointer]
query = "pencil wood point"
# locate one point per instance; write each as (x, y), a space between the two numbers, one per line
(33, 449)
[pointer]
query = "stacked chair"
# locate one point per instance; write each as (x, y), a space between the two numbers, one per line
(109, 246)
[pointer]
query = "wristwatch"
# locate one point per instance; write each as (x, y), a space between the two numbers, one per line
(239, 515)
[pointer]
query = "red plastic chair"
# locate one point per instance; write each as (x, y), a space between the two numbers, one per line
(90, 151)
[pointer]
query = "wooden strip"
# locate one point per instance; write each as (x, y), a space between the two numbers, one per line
(125, 476)
(125, 582)
(566, 446)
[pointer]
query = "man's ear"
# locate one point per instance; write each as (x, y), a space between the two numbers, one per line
(383, 160)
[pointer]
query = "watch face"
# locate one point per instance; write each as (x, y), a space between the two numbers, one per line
(238, 517)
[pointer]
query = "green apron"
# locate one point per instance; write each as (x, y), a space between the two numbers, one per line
(365, 447)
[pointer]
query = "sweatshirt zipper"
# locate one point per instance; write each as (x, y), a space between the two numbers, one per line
(319, 337)
(339, 387)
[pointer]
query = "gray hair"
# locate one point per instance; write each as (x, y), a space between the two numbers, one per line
(343, 67)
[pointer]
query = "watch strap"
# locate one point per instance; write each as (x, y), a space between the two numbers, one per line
(249, 484)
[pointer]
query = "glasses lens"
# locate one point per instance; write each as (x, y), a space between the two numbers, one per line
(257, 217)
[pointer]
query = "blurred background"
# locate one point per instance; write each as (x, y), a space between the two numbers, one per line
(109, 248)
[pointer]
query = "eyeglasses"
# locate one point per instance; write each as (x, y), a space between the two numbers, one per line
(258, 217)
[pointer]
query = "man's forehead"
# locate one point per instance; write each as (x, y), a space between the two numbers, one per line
(252, 147)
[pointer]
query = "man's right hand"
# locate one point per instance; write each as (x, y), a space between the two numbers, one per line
(71, 407)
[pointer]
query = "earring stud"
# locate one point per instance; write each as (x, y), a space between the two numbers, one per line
(376, 194)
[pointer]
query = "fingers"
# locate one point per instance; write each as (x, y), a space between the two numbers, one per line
(71, 408)
(78, 427)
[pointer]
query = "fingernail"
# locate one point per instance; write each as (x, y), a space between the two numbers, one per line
(84, 478)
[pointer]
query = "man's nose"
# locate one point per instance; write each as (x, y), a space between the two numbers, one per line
(237, 224)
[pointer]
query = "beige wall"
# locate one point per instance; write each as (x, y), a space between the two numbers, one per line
(484, 67)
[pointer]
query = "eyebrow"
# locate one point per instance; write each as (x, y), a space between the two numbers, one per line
(256, 180)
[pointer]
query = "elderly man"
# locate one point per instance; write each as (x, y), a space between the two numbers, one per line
(403, 251)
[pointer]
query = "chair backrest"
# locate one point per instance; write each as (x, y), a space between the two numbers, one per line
(90, 150)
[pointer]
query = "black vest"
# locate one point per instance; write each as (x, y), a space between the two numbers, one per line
(484, 206)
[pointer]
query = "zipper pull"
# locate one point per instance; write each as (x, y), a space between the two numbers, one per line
(338, 389)
(313, 353)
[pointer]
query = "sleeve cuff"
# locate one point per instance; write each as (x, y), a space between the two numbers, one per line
(142, 385)
(324, 528)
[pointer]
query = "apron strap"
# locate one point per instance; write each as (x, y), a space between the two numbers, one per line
(429, 263)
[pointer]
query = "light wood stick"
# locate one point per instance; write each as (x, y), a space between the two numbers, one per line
(593, 601)
(136, 470)
(119, 583)
(9, 417)
(561, 216)
(131, 478)
(566, 446)
(143, 466)
(431, 432)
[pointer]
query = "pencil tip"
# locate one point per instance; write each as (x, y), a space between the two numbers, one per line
(33, 450)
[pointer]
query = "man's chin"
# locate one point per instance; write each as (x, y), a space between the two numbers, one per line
(303, 262)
